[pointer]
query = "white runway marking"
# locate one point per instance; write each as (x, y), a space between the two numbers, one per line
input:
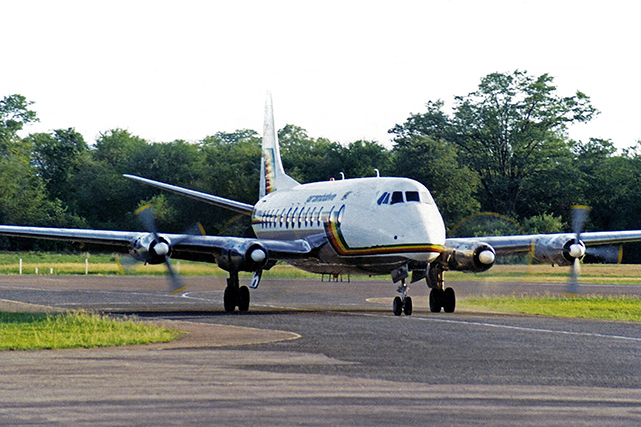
(512, 327)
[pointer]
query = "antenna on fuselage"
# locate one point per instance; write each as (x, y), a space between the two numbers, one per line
(378, 174)
(342, 175)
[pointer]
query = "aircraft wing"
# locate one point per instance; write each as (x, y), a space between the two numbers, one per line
(183, 246)
(515, 245)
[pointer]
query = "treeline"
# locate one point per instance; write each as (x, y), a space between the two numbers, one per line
(502, 148)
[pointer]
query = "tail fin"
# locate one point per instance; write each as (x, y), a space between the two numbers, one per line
(272, 174)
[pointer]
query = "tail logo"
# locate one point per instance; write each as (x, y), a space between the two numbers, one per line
(268, 155)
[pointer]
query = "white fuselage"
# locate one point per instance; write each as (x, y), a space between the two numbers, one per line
(373, 224)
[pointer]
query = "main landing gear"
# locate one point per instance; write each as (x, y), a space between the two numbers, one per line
(235, 295)
(440, 297)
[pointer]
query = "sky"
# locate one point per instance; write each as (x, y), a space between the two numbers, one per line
(343, 70)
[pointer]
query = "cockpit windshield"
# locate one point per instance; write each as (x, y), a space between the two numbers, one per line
(396, 197)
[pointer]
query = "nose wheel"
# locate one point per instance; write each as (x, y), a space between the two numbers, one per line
(403, 303)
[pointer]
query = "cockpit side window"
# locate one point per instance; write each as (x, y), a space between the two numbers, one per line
(397, 197)
(412, 196)
(383, 199)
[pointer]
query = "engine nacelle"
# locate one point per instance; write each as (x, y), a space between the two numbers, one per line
(244, 256)
(150, 250)
(473, 257)
(560, 250)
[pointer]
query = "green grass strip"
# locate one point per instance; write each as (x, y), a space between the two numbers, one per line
(585, 307)
(37, 331)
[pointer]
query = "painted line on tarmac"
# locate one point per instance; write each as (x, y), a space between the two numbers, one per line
(511, 327)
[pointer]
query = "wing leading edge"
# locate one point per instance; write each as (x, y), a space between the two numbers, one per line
(521, 245)
(201, 248)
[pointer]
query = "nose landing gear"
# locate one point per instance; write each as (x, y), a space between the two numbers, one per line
(402, 303)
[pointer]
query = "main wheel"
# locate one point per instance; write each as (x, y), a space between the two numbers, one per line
(436, 297)
(230, 300)
(449, 300)
(407, 308)
(397, 306)
(243, 299)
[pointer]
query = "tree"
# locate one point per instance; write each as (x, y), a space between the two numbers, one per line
(361, 158)
(14, 114)
(55, 157)
(122, 150)
(509, 130)
(307, 159)
(435, 164)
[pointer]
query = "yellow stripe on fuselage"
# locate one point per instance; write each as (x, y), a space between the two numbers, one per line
(342, 248)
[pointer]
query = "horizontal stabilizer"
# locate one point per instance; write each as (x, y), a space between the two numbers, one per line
(233, 205)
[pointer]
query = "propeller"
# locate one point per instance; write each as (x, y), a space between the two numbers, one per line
(609, 254)
(148, 219)
(577, 249)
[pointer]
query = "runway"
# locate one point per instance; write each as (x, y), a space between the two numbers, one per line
(323, 354)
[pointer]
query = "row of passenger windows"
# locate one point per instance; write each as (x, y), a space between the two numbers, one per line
(291, 218)
(397, 197)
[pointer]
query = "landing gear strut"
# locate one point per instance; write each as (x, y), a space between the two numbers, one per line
(235, 295)
(402, 303)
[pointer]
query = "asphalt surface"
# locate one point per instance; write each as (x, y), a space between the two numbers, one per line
(319, 353)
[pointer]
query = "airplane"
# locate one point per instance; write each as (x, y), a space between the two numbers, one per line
(372, 226)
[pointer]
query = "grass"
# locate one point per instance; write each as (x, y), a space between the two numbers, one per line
(105, 264)
(37, 331)
(585, 307)
(542, 273)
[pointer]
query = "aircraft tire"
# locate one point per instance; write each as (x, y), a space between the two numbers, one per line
(407, 308)
(436, 298)
(397, 306)
(243, 299)
(229, 300)
(449, 300)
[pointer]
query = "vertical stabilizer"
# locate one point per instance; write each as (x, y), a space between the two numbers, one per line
(272, 174)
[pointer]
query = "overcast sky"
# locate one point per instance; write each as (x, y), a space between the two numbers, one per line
(344, 70)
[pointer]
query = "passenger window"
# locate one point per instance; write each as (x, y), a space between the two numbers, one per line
(311, 217)
(318, 216)
(397, 197)
(411, 196)
(288, 218)
(308, 216)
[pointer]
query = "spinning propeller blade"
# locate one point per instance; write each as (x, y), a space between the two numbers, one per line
(148, 219)
(577, 250)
